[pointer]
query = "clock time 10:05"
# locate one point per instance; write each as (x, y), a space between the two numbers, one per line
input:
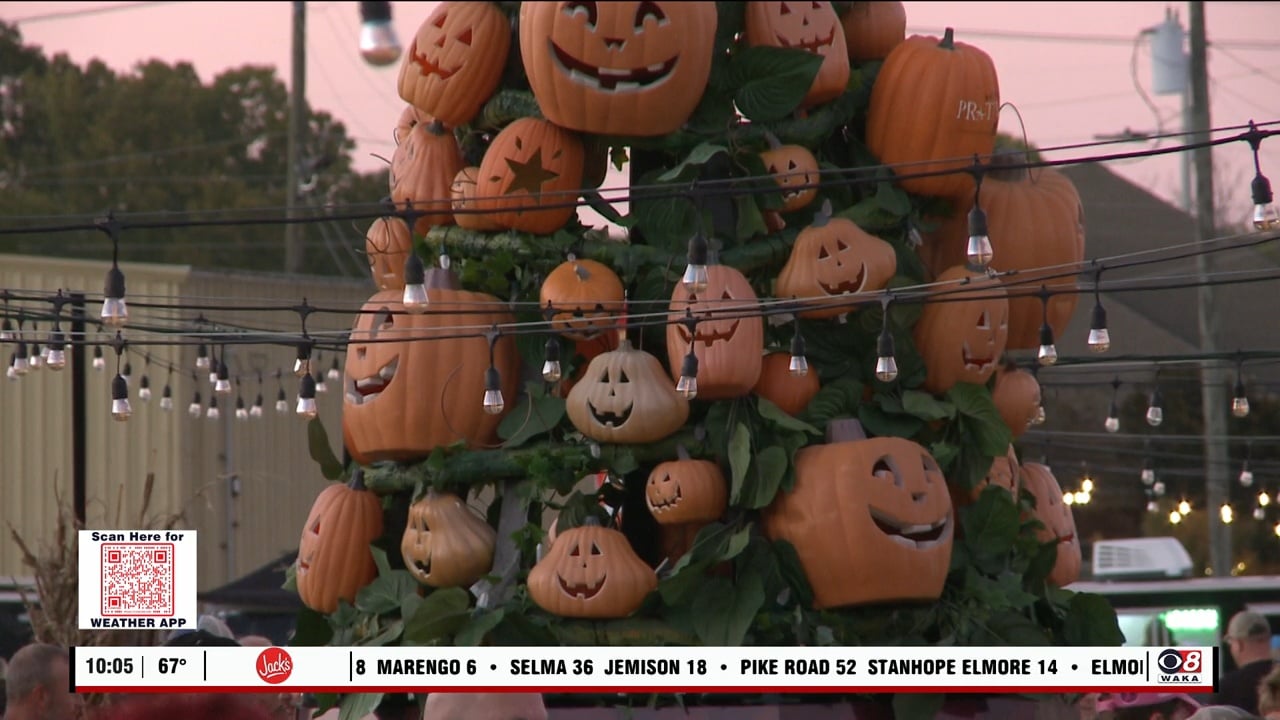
(109, 666)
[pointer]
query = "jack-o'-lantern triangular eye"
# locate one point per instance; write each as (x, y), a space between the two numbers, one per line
(784, 9)
(622, 376)
(817, 6)
(984, 320)
(604, 376)
(840, 245)
(883, 469)
(465, 37)
(822, 253)
(725, 295)
(648, 10)
(440, 20)
(930, 466)
(791, 164)
(576, 551)
(595, 549)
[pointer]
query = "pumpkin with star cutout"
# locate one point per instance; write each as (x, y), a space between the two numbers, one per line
(834, 257)
(387, 245)
(422, 172)
(412, 384)
(591, 572)
(811, 26)
(455, 60)
(873, 29)
(728, 339)
(939, 129)
(962, 330)
(334, 560)
(783, 388)
(795, 169)
(686, 491)
(586, 296)
(1059, 524)
(530, 176)
(625, 397)
(1017, 397)
(871, 521)
(463, 193)
(618, 68)
(445, 543)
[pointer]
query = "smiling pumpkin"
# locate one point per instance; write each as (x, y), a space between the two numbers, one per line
(810, 26)
(728, 338)
(834, 257)
(591, 572)
(963, 329)
(455, 60)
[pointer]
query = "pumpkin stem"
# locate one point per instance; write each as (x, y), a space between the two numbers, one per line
(590, 521)
(823, 216)
(774, 142)
(437, 128)
(682, 452)
(844, 430)
(439, 278)
(357, 480)
(948, 39)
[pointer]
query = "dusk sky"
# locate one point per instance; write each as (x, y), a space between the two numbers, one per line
(1069, 67)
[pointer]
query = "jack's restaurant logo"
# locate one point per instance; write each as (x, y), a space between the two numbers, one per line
(1176, 666)
(274, 665)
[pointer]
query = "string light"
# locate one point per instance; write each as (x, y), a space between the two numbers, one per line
(222, 382)
(202, 357)
(282, 400)
(120, 408)
(302, 364)
(307, 397)
(144, 389)
(1263, 499)
(56, 354)
(256, 410)
(115, 313)
(379, 45)
(798, 366)
(1240, 403)
(1259, 513)
(212, 412)
(1155, 408)
(551, 360)
(35, 360)
(213, 369)
(242, 413)
(1158, 488)
(886, 361)
(695, 277)
(321, 385)
(1175, 517)
(1153, 506)
(1264, 213)
(335, 373)
(195, 409)
(978, 252)
(99, 362)
(166, 396)
(1099, 336)
(1184, 507)
(415, 298)
(493, 402)
(687, 385)
(1112, 423)
(1048, 353)
(1246, 475)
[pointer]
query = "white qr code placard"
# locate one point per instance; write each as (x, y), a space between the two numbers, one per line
(137, 579)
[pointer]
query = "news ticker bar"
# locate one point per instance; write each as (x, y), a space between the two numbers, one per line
(643, 669)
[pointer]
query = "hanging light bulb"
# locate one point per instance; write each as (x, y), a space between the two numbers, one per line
(282, 402)
(1240, 403)
(1086, 484)
(687, 385)
(1246, 475)
(120, 409)
(799, 365)
(1099, 336)
(1153, 506)
(1040, 417)
(1264, 213)
(1264, 499)
(1158, 488)
(886, 360)
(307, 397)
(493, 402)
(321, 385)
(1048, 353)
(6, 329)
(144, 389)
(415, 298)
(695, 277)
(19, 364)
(35, 360)
(202, 357)
(99, 362)
(10, 372)
(1155, 408)
(222, 383)
(256, 410)
(213, 372)
(978, 252)
(212, 413)
(1148, 475)
(1226, 513)
(335, 372)
(127, 373)
(166, 398)
(1174, 517)
(302, 364)
(1112, 423)
(242, 413)
(1068, 498)
(194, 409)
(1184, 507)
(115, 312)
(56, 355)
(551, 360)
(379, 45)
(1259, 513)
(1277, 529)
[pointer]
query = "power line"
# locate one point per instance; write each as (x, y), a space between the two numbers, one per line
(1088, 39)
(85, 12)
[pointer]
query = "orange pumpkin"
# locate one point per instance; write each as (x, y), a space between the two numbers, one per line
(625, 397)
(1058, 521)
(780, 386)
(873, 29)
(411, 385)
(962, 330)
(422, 172)
(871, 521)
(686, 491)
(591, 572)
(463, 193)
(935, 104)
(531, 164)
(586, 296)
(455, 60)
(410, 118)
(1004, 472)
(445, 543)
(728, 348)
(834, 257)
(1017, 397)
(618, 68)
(334, 560)
(1043, 205)
(387, 246)
(795, 169)
(811, 26)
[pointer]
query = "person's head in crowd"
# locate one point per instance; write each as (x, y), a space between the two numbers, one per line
(255, 641)
(185, 707)
(1248, 638)
(1269, 695)
(38, 685)
(1147, 706)
(1223, 712)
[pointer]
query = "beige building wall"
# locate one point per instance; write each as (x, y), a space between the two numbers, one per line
(246, 486)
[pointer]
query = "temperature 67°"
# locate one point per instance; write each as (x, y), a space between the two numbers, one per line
(171, 665)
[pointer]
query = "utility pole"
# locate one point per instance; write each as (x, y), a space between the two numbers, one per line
(297, 139)
(1213, 392)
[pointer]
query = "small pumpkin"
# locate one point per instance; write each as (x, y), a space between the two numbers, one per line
(625, 397)
(422, 172)
(833, 257)
(410, 118)
(618, 68)
(728, 339)
(780, 386)
(686, 491)
(586, 296)
(591, 572)
(1017, 397)
(455, 60)
(810, 26)
(531, 164)
(463, 193)
(873, 29)
(334, 560)
(445, 544)
(939, 129)
(1059, 524)
(962, 330)
(387, 245)
(795, 169)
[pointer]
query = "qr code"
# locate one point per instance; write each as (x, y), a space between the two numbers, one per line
(137, 579)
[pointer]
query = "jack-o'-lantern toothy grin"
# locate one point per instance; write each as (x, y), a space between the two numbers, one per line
(917, 537)
(975, 362)
(611, 79)
(610, 418)
(814, 45)
(707, 337)
(363, 390)
(424, 565)
(846, 287)
(657, 505)
(430, 67)
(582, 591)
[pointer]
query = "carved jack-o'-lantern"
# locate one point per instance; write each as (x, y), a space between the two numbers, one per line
(871, 521)
(625, 397)
(618, 68)
(465, 210)
(334, 560)
(1005, 472)
(812, 26)
(531, 164)
(795, 169)
(728, 339)
(962, 329)
(784, 388)
(410, 118)
(834, 257)
(411, 384)
(591, 572)
(873, 29)
(445, 543)
(1058, 520)
(1017, 397)
(585, 295)
(422, 171)
(455, 60)
(387, 246)
(686, 491)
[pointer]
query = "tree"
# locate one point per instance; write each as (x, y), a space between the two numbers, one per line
(84, 140)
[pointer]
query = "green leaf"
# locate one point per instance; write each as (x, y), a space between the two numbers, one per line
(739, 460)
(310, 629)
(1092, 622)
(724, 611)
(772, 80)
(358, 705)
(892, 200)
(764, 478)
(318, 446)
(441, 614)
(475, 630)
(836, 399)
(776, 415)
(750, 219)
(380, 560)
(387, 634)
(991, 435)
(991, 526)
(793, 572)
(918, 706)
(606, 209)
(532, 417)
(1013, 629)
(696, 158)
(291, 578)
(944, 453)
(326, 702)
(882, 424)
(715, 543)
(926, 407)
(385, 593)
